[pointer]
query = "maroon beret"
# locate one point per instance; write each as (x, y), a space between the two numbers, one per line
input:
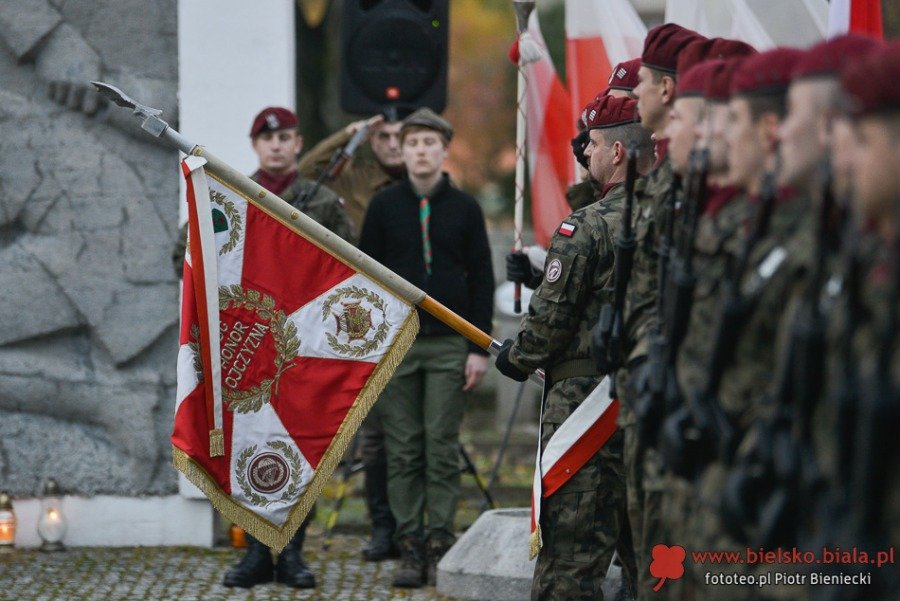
(693, 82)
(827, 58)
(610, 111)
(701, 50)
(718, 86)
(872, 83)
(624, 76)
(273, 118)
(765, 73)
(662, 45)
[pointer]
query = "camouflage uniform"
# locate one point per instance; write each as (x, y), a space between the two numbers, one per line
(777, 266)
(582, 194)
(584, 521)
(642, 464)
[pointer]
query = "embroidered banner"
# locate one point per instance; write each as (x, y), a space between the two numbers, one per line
(284, 348)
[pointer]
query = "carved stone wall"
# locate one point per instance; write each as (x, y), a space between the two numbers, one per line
(88, 212)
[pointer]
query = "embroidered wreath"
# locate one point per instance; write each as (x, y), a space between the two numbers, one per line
(234, 218)
(284, 335)
(296, 469)
(194, 346)
(357, 293)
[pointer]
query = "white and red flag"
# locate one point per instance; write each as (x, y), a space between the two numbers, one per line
(572, 445)
(855, 16)
(284, 348)
(550, 126)
(599, 35)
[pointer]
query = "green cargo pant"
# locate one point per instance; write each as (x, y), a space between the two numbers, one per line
(421, 409)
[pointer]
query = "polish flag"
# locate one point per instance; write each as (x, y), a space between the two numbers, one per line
(550, 126)
(283, 350)
(573, 444)
(599, 35)
(855, 16)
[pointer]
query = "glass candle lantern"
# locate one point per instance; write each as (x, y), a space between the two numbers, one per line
(52, 523)
(7, 523)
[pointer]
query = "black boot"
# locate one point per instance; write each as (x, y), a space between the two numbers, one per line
(382, 545)
(291, 569)
(255, 567)
(411, 571)
(435, 548)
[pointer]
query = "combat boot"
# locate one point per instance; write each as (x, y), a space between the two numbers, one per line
(291, 569)
(255, 567)
(382, 545)
(435, 548)
(411, 571)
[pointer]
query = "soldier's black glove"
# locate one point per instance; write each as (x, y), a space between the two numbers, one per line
(505, 367)
(520, 270)
(579, 143)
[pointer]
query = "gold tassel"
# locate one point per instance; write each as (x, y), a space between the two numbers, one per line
(216, 443)
(535, 543)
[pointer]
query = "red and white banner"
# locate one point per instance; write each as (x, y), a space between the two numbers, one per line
(550, 125)
(283, 350)
(599, 35)
(855, 16)
(578, 439)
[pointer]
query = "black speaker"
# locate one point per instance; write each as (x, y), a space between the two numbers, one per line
(394, 53)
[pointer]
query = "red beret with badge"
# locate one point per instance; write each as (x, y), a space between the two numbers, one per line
(872, 84)
(663, 44)
(624, 76)
(610, 111)
(765, 73)
(827, 58)
(273, 118)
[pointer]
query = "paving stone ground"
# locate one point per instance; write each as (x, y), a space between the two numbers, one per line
(191, 574)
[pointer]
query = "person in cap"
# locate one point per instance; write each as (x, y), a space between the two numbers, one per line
(277, 143)
(434, 236)
(366, 173)
(655, 93)
(584, 521)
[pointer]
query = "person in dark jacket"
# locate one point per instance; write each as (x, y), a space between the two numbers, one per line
(432, 234)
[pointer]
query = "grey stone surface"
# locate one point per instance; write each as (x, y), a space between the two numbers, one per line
(181, 574)
(490, 561)
(88, 212)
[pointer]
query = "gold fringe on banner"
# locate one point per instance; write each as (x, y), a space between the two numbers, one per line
(262, 529)
(216, 443)
(535, 542)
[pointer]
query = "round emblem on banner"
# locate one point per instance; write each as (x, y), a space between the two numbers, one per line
(359, 319)
(554, 270)
(268, 472)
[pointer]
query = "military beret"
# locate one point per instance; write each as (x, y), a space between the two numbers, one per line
(706, 49)
(425, 117)
(624, 76)
(826, 58)
(693, 82)
(872, 83)
(273, 118)
(663, 44)
(610, 111)
(765, 73)
(718, 86)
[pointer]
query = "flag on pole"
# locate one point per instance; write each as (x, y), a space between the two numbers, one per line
(855, 16)
(284, 348)
(550, 126)
(572, 445)
(599, 35)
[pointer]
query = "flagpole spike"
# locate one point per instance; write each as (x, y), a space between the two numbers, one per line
(152, 123)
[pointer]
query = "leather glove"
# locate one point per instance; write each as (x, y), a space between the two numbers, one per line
(505, 367)
(519, 270)
(579, 143)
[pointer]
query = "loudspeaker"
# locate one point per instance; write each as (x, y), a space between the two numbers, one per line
(394, 54)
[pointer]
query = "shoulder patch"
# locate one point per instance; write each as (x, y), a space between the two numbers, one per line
(567, 229)
(554, 270)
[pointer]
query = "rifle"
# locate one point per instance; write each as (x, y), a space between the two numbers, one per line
(335, 165)
(699, 431)
(606, 338)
